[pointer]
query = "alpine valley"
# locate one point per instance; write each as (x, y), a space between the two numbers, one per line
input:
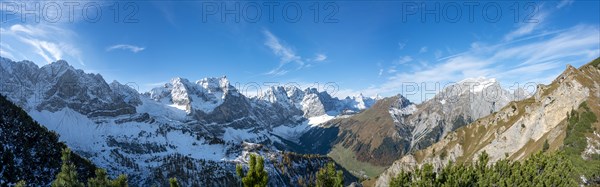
(198, 131)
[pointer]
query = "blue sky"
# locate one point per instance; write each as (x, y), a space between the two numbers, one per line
(352, 47)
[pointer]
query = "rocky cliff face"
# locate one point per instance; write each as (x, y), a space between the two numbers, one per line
(59, 85)
(518, 129)
(456, 106)
(198, 127)
(394, 126)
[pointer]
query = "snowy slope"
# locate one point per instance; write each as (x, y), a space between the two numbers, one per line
(204, 122)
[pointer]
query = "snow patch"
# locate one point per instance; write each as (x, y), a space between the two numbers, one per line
(478, 84)
(317, 120)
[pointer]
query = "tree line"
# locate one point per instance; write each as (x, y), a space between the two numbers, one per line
(551, 169)
(257, 176)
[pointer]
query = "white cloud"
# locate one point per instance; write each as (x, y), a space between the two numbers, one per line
(320, 58)
(6, 50)
(50, 42)
(132, 48)
(528, 26)
(277, 71)
(288, 59)
(401, 45)
(423, 49)
(404, 60)
(285, 53)
(564, 3)
(533, 59)
(7, 54)
(48, 50)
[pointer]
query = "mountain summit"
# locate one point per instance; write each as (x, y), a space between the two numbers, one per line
(207, 122)
(543, 122)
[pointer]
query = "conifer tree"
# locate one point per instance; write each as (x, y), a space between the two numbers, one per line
(403, 179)
(68, 172)
(21, 183)
(256, 176)
(120, 181)
(329, 177)
(539, 169)
(173, 182)
(101, 179)
(8, 166)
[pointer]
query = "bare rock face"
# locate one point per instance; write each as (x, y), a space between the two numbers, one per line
(171, 128)
(394, 127)
(456, 106)
(510, 131)
(58, 85)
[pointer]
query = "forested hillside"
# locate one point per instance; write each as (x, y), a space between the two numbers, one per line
(29, 152)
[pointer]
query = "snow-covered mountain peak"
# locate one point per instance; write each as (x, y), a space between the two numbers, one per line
(55, 69)
(401, 107)
(311, 91)
(359, 102)
(294, 93)
(204, 95)
(203, 120)
(275, 94)
(127, 93)
(180, 83)
(479, 83)
(213, 84)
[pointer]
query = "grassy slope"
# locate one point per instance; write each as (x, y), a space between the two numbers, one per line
(347, 159)
(365, 144)
(476, 135)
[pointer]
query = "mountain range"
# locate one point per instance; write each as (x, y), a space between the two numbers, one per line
(207, 122)
(521, 128)
(198, 131)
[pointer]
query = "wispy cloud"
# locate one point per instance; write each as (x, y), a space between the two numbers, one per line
(404, 60)
(533, 59)
(564, 3)
(287, 56)
(423, 49)
(6, 50)
(401, 45)
(5, 53)
(528, 26)
(132, 48)
(320, 58)
(50, 42)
